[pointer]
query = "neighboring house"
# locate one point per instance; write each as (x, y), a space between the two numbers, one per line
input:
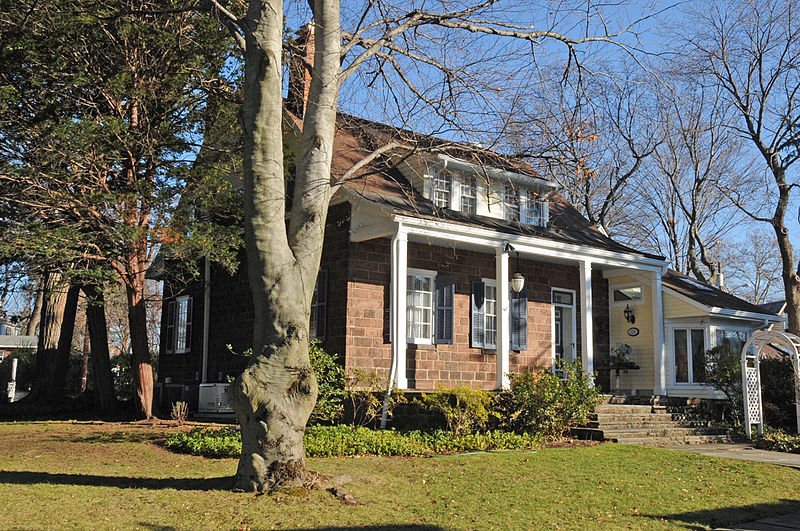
(419, 253)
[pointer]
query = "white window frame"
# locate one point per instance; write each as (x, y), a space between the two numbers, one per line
(615, 287)
(183, 300)
(517, 208)
(526, 195)
(464, 184)
(410, 337)
(487, 283)
(439, 177)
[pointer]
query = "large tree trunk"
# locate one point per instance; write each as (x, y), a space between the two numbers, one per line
(55, 298)
(57, 372)
(275, 395)
(36, 315)
(104, 398)
(142, 363)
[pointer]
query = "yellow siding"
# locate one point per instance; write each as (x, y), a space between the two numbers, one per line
(641, 345)
(675, 308)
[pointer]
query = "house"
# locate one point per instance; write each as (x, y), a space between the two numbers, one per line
(421, 248)
(10, 338)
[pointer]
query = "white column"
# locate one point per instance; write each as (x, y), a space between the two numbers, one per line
(503, 319)
(659, 356)
(587, 334)
(399, 276)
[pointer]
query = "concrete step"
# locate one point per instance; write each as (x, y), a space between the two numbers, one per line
(684, 439)
(618, 409)
(638, 417)
(661, 432)
(647, 424)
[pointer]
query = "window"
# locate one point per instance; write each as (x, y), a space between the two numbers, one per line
(689, 348)
(485, 320)
(535, 211)
(511, 203)
(626, 294)
(563, 297)
(442, 189)
(319, 307)
(469, 195)
(733, 339)
(419, 306)
(179, 325)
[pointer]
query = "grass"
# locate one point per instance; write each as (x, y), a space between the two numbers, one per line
(116, 476)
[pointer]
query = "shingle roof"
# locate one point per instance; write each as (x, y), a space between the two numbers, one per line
(773, 307)
(707, 294)
(382, 183)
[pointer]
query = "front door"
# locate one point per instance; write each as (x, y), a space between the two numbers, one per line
(563, 326)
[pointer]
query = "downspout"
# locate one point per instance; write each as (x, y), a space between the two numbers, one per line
(206, 316)
(392, 325)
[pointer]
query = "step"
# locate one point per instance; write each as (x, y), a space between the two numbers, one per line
(662, 432)
(638, 417)
(627, 409)
(651, 424)
(685, 439)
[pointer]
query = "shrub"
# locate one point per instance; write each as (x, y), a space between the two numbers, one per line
(331, 381)
(179, 412)
(344, 440)
(465, 410)
(724, 373)
(366, 392)
(547, 404)
(779, 442)
(778, 395)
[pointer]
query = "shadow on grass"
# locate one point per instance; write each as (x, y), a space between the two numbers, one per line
(120, 437)
(729, 515)
(393, 527)
(122, 482)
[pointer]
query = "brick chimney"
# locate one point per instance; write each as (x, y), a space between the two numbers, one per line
(300, 71)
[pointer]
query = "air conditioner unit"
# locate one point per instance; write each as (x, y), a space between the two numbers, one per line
(213, 398)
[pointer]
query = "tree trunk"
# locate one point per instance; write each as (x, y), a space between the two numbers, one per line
(55, 298)
(85, 359)
(142, 363)
(276, 393)
(104, 398)
(33, 322)
(58, 370)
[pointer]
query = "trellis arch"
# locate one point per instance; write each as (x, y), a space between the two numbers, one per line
(752, 352)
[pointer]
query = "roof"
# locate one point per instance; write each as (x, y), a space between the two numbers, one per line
(708, 295)
(7, 342)
(775, 307)
(380, 182)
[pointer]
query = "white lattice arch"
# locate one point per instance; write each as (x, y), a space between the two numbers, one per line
(752, 352)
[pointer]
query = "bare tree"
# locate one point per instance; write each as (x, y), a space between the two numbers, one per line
(750, 49)
(275, 394)
(696, 160)
(753, 267)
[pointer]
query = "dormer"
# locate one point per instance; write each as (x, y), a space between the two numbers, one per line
(477, 189)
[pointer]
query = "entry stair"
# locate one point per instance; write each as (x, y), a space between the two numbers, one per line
(650, 421)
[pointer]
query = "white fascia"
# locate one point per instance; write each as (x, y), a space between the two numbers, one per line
(723, 312)
(526, 244)
(494, 173)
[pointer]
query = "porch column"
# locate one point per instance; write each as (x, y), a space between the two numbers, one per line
(399, 278)
(503, 319)
(659, 356)
(587, 334)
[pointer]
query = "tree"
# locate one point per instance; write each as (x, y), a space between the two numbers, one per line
(102, 103)
(750, 50)
(753, 267)
(275, 394)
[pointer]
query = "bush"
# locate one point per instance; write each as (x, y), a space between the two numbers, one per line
(465, 410)
(331, 381)
(365, 392)
(778, 395)
(344, 440)
(724, 373)
(779, 442)
(547, 404)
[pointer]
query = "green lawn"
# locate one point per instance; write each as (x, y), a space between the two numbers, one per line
(116, 476)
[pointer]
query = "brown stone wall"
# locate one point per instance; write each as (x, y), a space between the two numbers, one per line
(427, 365)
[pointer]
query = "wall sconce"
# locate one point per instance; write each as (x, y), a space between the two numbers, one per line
(629, 316)
(517, 279)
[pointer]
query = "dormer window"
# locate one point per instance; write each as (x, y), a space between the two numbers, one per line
(469, 195)
(442, 189)
(511, 203)
(535, 207)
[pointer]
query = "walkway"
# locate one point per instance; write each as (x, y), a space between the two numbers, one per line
(744, 452)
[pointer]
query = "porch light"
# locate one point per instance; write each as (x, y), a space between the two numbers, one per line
(629, 316)
(517, 279)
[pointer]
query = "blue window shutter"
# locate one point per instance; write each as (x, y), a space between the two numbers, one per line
(519, 320)
(478, 294)
(445, 289)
